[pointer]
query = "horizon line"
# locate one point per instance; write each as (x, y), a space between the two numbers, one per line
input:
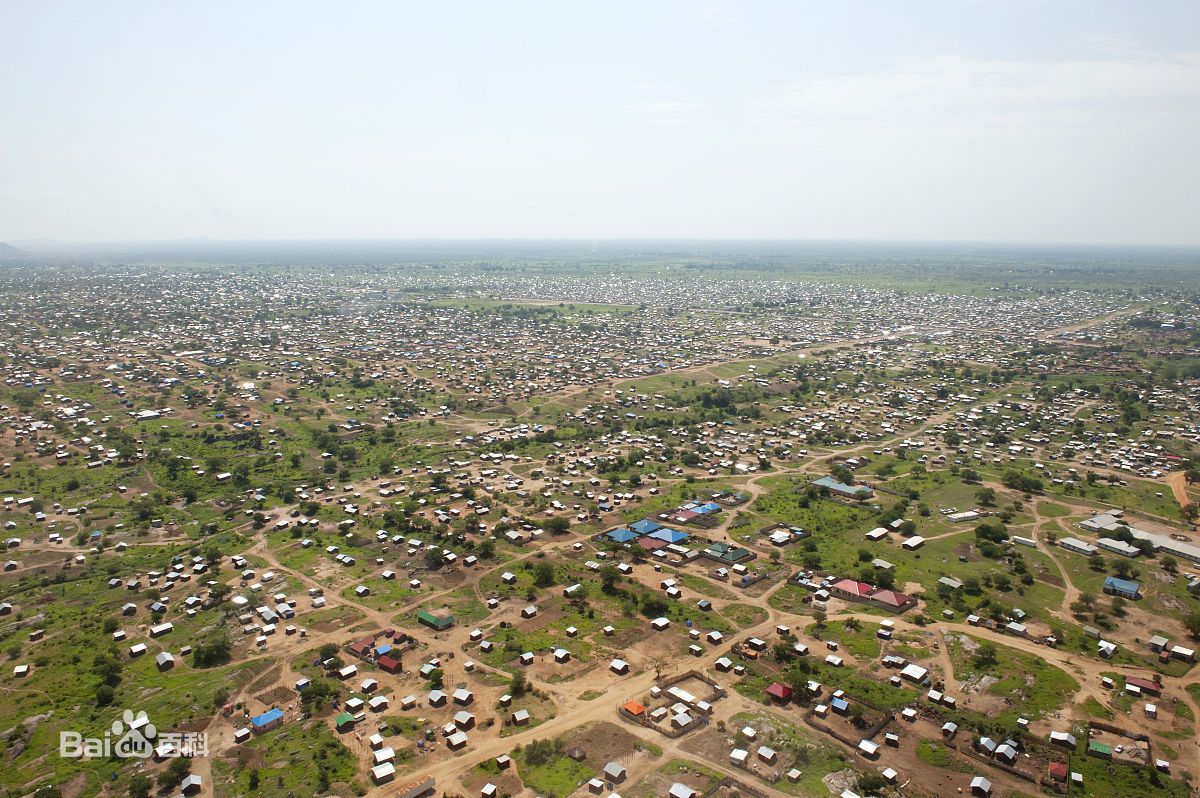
(206, 240)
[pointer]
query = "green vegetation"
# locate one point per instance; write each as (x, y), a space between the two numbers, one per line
(933, 753)
(548, 771)
(302, 759)
(1032, 687)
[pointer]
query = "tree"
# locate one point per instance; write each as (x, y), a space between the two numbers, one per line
(654, 606)
(543, 574)
(1125, 569)
(518, 686)
(985, 656)
(872, 783)
(986, 497)
(108, 668)
(213, 651)
(175, 772)
(139, 786)
(316, 692)
(610, 577)
(1023, 482)
(105, 695)
(558, 526)
(1191, 622)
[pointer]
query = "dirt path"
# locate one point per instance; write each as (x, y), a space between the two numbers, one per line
(1070, 592)
(1178, 482)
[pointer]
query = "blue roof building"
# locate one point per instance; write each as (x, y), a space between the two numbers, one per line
(669, 535)
(1125, 588)
(267, 720)
(621, 535)
(645, 526)
(841, 488)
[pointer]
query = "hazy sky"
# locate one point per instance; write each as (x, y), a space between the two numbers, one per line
(983, 120)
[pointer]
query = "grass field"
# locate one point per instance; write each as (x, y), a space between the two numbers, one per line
(1030, 686)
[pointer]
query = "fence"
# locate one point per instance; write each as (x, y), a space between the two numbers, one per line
(729, 783)
(1136, 736)
(666, 731)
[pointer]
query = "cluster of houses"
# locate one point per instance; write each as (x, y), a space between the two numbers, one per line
(651, 536)
(824, 588)
(383, 650)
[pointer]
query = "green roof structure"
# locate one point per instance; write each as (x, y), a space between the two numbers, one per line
(438, 622)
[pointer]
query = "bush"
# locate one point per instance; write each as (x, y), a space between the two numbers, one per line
(175, 772)
(214, 651)
(139, 786)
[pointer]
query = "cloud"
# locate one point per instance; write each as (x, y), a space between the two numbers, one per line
(713, 17)
(671, 112)
(670, 107)
(956, 90)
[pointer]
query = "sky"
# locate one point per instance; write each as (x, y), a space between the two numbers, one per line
(978, 120)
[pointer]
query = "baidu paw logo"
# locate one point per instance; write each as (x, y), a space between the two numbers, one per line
(137, 730)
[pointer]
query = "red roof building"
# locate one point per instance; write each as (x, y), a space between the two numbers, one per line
(852, 589)
(1145, 685)
(780, 692)
(634, 708)
(389, 664)
(360, 648)
(891, 598)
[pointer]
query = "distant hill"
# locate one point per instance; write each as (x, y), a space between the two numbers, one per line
(31, 245)
(9, 249)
